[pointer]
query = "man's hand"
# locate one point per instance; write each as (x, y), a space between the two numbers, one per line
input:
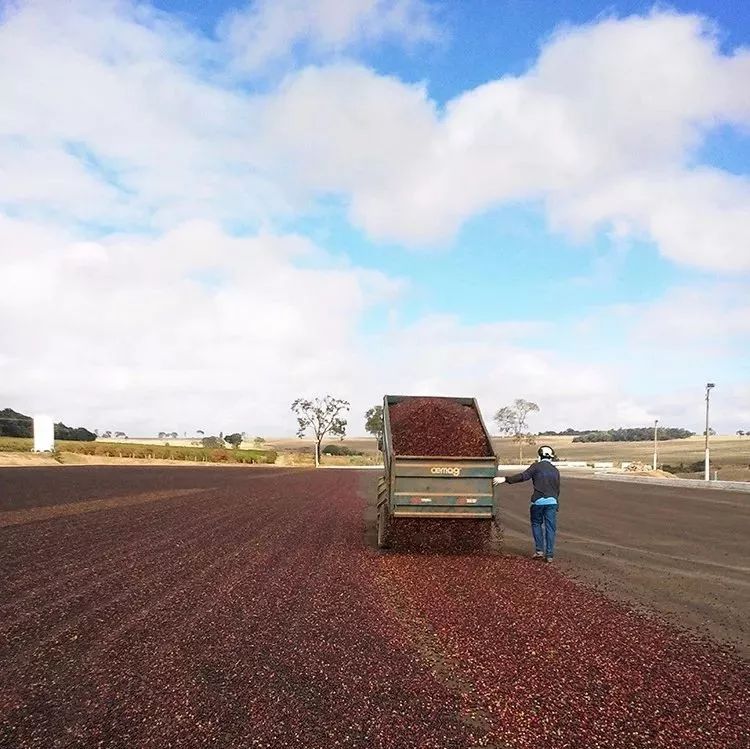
(498, 480)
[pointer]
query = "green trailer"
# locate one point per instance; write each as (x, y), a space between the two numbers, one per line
(446, 488)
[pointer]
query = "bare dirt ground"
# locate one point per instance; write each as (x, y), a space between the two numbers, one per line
(200, 607)
(27, 459)
(8, 459)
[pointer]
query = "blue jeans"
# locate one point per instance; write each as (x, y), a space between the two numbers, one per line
(543, 528)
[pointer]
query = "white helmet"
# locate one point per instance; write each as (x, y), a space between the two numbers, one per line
(545, 451)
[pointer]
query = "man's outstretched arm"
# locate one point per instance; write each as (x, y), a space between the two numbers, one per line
(517, 478)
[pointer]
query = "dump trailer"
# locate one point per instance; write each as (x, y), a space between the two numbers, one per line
(419, 481)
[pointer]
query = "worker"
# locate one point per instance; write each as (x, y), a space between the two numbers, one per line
(544, 500)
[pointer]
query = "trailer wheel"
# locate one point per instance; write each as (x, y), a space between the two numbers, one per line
(384, 535)
(495, 544)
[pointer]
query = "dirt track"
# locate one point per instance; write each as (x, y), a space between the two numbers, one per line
(206, 607)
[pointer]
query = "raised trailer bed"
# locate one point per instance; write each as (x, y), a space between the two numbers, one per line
(439, 462)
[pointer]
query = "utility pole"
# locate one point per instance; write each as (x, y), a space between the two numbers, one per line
(656, 423)
(707, 474)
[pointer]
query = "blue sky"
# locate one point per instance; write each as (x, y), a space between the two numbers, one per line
(262, 200)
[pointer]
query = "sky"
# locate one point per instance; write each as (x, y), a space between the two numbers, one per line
(209, 209)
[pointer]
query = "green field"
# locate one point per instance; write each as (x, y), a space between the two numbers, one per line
(145, 451)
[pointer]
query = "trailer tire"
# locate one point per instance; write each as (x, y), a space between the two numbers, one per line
(384, 529)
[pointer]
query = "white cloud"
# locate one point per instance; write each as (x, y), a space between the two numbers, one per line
(635, 364)
(343, 128)
(198, 329)
(167, 333)
(495, 362)
(111, 96)
(175, 328)
(710, 317)
(67, 188)
(664, 350)
(699, 217)
(602, 128)
(269, 31)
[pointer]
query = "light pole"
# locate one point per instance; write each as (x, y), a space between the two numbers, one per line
(707, 475)
(656, 423)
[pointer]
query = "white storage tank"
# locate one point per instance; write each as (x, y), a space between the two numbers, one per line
(44, 434)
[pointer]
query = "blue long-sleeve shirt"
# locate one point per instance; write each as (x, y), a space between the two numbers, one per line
(544, 475)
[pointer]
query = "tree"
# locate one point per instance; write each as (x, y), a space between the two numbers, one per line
(79, 434)
(374, 423)
(212, 442)
(162, 435)
(258, 441)
(201, 432)
(321, 416)
(121, 434)
(15, 424)
(512, 420)
(711, 432)
(740, 433)
(235, 440)
(107, 435)
(173, 435)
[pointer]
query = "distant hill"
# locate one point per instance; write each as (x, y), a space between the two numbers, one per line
(15, 424)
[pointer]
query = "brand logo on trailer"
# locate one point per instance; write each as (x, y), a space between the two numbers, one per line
(446, 470)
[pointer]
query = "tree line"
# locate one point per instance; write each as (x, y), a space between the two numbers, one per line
(634, 434)
(15, 424)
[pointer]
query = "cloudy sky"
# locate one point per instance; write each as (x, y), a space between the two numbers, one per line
(211, 207)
